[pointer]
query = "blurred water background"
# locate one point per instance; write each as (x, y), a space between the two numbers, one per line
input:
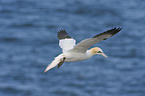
(28, 43)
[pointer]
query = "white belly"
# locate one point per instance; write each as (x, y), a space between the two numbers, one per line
(72, 57)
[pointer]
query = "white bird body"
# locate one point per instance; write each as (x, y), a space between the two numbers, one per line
(68, 44)
(72, 52)
(70, 57)
(73, 56)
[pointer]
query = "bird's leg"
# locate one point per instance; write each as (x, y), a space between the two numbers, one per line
(61, 62)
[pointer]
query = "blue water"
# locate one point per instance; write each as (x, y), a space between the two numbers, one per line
(28, 43)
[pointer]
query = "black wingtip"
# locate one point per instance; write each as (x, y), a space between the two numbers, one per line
(62, 34)
(114, 31)
(111, 31)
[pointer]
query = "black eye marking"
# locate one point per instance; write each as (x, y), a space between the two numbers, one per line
(99, 52)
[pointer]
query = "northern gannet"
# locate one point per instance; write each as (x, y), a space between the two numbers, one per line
(72, 52)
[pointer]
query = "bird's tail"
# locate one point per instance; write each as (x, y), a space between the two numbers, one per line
(54, 63)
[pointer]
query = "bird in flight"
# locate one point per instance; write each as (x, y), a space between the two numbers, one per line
(72, 52)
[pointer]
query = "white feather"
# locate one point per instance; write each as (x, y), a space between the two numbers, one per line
(55, 62)
(67, 44)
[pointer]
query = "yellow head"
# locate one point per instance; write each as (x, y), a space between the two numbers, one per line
(98, 51)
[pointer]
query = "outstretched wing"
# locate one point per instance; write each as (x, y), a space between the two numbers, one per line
(65, 41)
(84, 45)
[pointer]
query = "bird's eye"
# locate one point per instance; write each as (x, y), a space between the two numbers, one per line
(99, 52)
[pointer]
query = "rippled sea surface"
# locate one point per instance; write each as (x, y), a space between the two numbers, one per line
(28, 43)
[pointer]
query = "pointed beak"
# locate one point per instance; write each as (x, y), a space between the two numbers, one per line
(104, 55)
